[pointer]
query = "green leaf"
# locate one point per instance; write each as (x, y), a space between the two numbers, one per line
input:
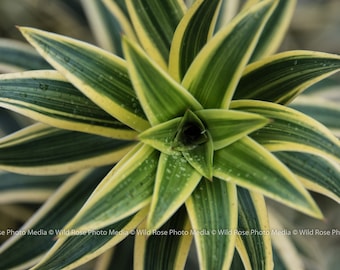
(124, 191)
(281, 77)
(18, 56)
(215, 248)
(248, 164)
(166, 248)
(155, 23)
(211, 78)
(100, 75)
(192, 33)
(253, 242)
(175, 180)
(105, 27)
(57, 152)
(291, 130)
(227, 126)
(46, 96)
(316, 173)
(161, 97)
(16, 188)
(26, 248)
(275, 29)
(321, 109)
(74, 251)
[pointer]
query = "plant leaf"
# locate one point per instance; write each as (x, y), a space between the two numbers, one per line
(18, 56)
(227, 126)
(281, 77)
(166, 248)
(192, 33)
(175, 180)
(316, 173)
(291, 130)
(47, 97)
(211, 78)
(161, 97)
(74, 251)
(57, 153)
(155, 22)
(248, 164)
(105, 27)
(215, 249)
(275, 29)
(100, 75)
(124, 191)
(253, 241)
(16, 188)
(325, 111)
(25, 249)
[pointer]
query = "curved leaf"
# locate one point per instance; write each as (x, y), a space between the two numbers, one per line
(25, 249)
(74, 251)
(155, 22)
(291, 130)
(248, 164)
(100, 75)
(192, 33)
(57, 152)
(46, 96)
(215, 248)
(175, 180)
(227, 126)
(211, 78)
(166, 248)
(18, 56)
(323, 110)
(253, 242)
(105, 27)
(161, 97)
(15, 188)
(281, 77)
(316, 173)
(124, 191)
(275, 29)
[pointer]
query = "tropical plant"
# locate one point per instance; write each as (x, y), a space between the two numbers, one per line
(189, 106)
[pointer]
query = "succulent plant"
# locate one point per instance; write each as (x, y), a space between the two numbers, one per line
(189, 105)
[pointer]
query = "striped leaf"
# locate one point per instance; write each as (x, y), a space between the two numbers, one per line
(155, 23)
(25, 249)
(214, 247)
(211, 78)
(316, 173)
(18, 56)
(248, 164)
(105, 27)
(17, 188)
(46, 96)
(161, 97)
(74, 251)
(291, 130)
(281, 77)
(227, 126)
(57, 152)
(123, 192)
(192, 33)
(325, 111)
(253, 242)
(100, 75)
(166, 248)
(175, 181)
(275, 29)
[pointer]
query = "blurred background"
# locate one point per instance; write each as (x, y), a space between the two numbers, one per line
(315, 26)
